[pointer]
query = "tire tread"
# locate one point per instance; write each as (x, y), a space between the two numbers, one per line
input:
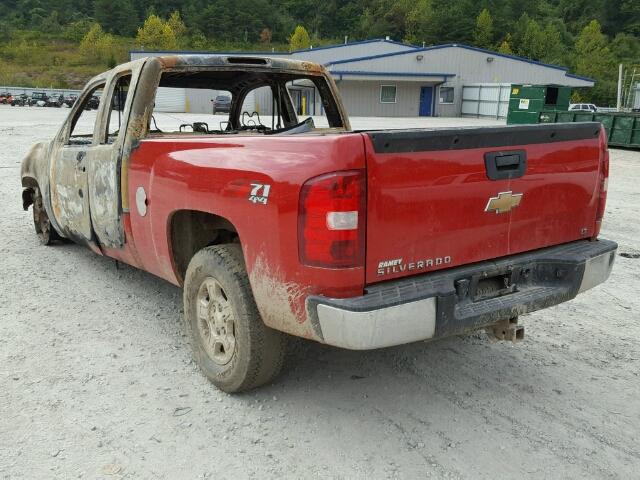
(267, 347)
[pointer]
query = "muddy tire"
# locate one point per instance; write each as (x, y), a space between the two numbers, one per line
(45, 231)
(230, 342)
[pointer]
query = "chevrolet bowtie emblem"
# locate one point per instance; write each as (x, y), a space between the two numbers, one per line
(504, 202)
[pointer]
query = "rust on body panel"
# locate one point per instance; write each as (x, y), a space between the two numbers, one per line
(104, 197)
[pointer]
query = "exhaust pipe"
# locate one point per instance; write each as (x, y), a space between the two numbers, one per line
(508, 330)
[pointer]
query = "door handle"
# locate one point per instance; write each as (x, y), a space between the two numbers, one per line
(508, 162)
(505, 165)
(80, 156)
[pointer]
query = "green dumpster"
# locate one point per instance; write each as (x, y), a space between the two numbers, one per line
(527, 101)
(550, 103)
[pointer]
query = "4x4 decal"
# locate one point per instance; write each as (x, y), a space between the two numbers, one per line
(259, 193)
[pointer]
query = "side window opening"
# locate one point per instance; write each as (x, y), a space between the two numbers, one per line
(307, 102)
(266, 108)
(116, 118)
(252, 111)
(83, 124)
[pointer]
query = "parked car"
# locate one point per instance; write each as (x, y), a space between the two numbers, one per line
(6, 98)
(20, 101)
(221, 104)
(92, 103)
(590, 107)
(39, 99)
(70, 100)
(358, 239)
(55, 100)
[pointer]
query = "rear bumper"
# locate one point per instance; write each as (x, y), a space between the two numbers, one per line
(461, 299)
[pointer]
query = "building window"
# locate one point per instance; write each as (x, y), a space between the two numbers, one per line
(387, 94)
(446, 94)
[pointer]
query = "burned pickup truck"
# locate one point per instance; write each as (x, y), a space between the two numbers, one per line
(275, 224)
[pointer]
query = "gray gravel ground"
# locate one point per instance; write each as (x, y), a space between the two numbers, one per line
(96, 377)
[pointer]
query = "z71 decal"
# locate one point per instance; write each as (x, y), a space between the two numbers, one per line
(259, 193)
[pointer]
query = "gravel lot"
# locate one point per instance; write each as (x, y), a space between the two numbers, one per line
(96, 377)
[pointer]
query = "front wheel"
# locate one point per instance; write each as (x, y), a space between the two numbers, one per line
(45, 231)
(230, 342)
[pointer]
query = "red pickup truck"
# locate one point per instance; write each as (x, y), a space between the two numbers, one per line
(274, 225)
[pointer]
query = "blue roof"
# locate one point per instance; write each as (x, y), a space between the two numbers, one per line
(468, 47)
(573, 75)
(391, 74)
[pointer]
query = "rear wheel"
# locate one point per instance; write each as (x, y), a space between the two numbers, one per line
(231, 343)
(45, 231)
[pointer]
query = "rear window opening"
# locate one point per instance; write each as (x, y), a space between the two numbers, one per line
(218, 101)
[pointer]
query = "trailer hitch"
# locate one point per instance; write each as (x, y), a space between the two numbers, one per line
(508, 329)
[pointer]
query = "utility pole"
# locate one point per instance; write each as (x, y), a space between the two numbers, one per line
(619, 103)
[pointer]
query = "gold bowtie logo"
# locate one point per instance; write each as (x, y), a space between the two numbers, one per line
(504, 202)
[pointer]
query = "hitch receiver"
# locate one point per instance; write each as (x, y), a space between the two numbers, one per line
(507, 330)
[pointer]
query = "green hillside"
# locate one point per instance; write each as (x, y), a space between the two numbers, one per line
(61, 43)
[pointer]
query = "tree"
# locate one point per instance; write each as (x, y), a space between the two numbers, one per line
(198, 41)
(265, 36)
(532, 43)
(176, 24)
(116, 16)
(156, 35)
(383, 18)
(553, 51)
(75, 31)
(6, 32)
(505, 45)
(625, 48)
(594, 60)
(420, 26)
(51, 24)
(96, 46)
(451, 21)
(483, 33)
(299, 40)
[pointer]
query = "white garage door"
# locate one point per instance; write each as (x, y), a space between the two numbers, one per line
(486, 100)
(170, 99)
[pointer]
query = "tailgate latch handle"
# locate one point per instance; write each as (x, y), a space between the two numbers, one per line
(505, 165)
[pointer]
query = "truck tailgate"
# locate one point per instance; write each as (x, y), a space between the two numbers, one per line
(442, 198)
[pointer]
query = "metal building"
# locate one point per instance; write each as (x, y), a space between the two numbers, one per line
(386, 78)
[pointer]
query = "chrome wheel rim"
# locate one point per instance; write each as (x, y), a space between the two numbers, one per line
(216, 322)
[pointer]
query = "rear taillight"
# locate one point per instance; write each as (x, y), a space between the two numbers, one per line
(331, 222)
(603, 181)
